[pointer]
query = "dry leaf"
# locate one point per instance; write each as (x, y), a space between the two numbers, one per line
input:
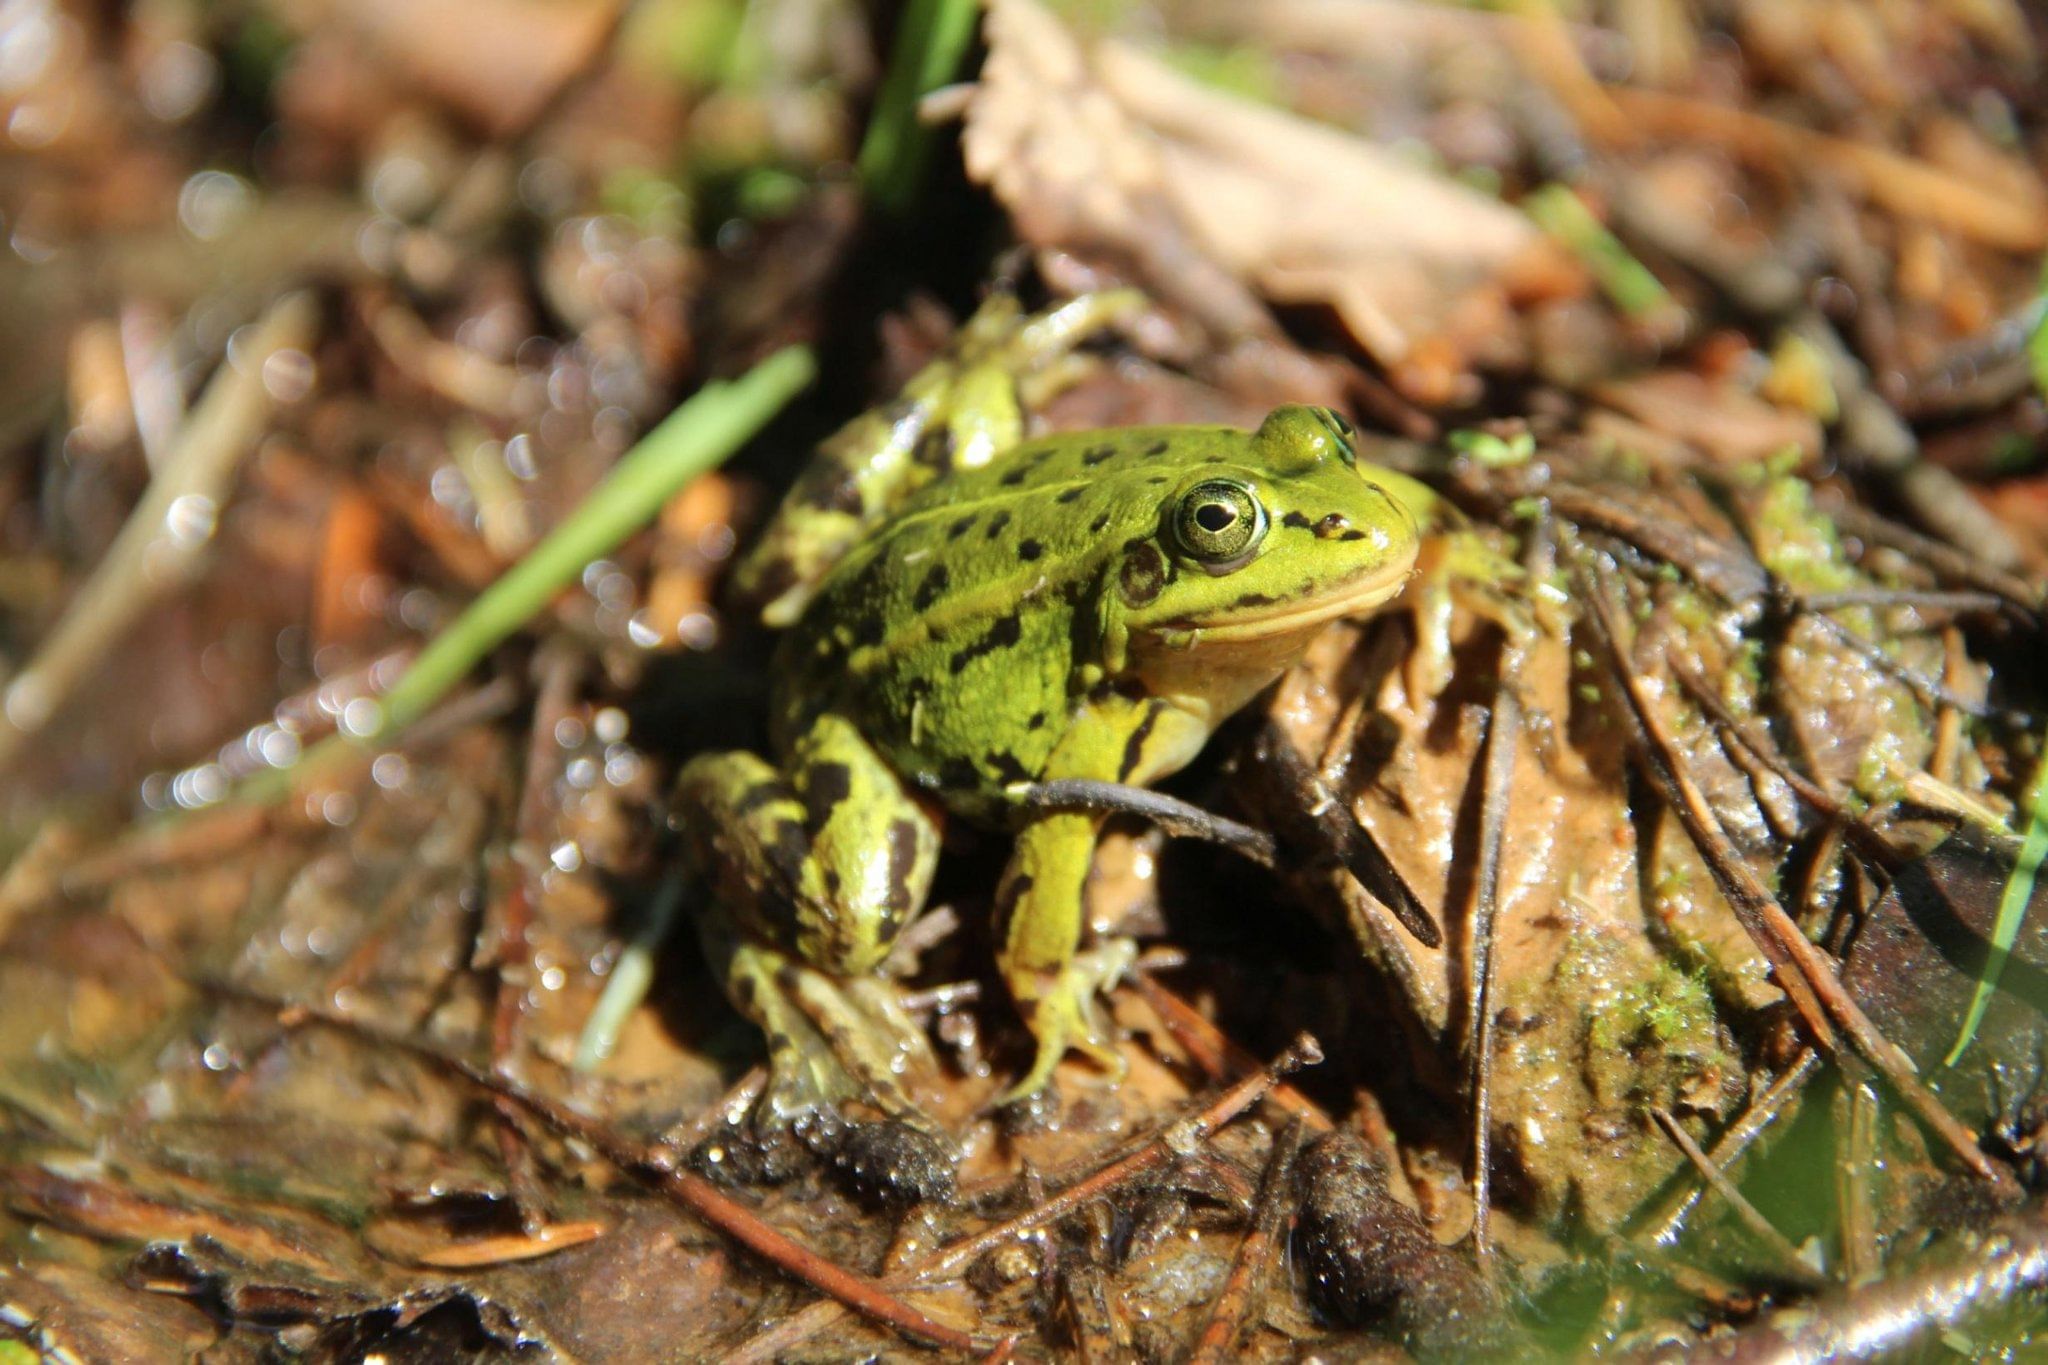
(1214, 200)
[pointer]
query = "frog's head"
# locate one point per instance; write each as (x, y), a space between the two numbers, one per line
(1256, 550)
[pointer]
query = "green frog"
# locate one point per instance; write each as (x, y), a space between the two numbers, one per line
(970, 613)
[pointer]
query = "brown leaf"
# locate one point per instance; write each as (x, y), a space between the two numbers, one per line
(1215, 200)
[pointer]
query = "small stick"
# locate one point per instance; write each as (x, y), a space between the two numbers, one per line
(1219, 1058)
(1789, 1263)
(1241, 1291)
(1170, 813)
(1664, 1224)
(2024, 599)
(167, 534)
(1896, 1317)
(1498, 777)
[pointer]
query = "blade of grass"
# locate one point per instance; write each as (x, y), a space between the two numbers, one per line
(698, 436)
(929, 45)
(1624, 279)
(2012, 906)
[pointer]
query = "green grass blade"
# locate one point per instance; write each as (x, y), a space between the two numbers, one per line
(929, 45)
(698, 436)
(2012, 906)
(1623, 278)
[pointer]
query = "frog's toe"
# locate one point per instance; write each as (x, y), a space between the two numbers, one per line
(832, 1041)
(1069, 1014)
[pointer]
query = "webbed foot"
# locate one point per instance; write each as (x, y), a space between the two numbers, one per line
(1067, 1012)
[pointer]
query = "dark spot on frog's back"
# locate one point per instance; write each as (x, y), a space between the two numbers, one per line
(787, 853)
(996, 524)
(933, 585)
(1005, 632)
(1009, 767)
(902, 842)
(1013, 478)
(960, 527)
(1097, 526)
(1297, 521)
(1095, 455)
(1070, 494)
(1028, 549)
(934, 448)
(826, 788)
(1159, 447)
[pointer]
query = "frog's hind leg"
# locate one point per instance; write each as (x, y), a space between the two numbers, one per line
(812, 877)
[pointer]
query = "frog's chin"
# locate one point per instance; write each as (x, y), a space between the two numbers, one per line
(1296, 618)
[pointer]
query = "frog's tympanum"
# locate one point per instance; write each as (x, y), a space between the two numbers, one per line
(971, 613)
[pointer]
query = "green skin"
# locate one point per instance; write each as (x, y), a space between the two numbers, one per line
(1088, 606)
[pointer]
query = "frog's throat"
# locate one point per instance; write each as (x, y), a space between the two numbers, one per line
(1355, 598)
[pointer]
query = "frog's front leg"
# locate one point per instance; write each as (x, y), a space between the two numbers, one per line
(1041, 903)
(813, 873)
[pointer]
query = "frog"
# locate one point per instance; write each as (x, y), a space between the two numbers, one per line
(968, 612)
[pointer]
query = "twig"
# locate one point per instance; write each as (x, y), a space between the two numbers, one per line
(1352, 842)
(1219, 1058)
(1240, 1295)
(1664, 1223)
(2024, 598)
(1497, 778)
(165, 537)
(1782, 1251)
(1165, 1144)
(1871, 431)
(1177, 817)
(1893, 1318)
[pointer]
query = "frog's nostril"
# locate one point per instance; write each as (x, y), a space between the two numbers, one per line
(1335, 524)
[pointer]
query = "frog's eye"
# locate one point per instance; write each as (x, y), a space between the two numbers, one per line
(1219, 523)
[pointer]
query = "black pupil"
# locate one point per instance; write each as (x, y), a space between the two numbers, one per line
(1215, 516)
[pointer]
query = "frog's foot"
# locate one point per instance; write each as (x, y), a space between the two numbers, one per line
(832, 1041)
(1459, 569)
(1066, 1011)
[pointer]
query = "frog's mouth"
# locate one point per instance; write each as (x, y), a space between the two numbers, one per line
(1354, 598)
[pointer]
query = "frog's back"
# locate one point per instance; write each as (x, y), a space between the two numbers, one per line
(955, 635)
